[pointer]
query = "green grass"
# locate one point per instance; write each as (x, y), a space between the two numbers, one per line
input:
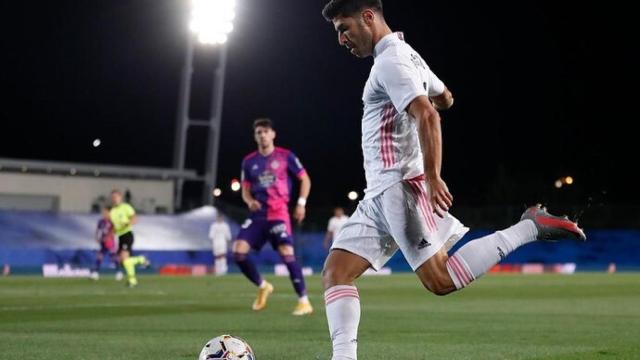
(585, 316)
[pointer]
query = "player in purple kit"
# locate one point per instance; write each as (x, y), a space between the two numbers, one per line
(266, 184)
(106, 238)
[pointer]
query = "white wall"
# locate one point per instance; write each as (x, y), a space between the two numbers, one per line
(77, 193)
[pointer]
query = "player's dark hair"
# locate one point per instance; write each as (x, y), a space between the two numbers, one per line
(335, 8)
(263, 122)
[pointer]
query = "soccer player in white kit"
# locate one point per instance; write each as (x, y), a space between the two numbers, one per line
(220, 236)
(336, 223)
(406, 202)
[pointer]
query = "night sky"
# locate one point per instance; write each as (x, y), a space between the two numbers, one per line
(541, 91)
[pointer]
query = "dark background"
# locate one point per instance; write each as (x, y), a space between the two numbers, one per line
(542, 91)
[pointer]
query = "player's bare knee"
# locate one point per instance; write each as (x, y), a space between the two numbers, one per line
(332, 277)
(437, 282)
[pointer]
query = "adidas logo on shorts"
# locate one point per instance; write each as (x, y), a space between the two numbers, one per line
(423, 244)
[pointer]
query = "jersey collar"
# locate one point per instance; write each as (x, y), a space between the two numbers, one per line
(387, 41)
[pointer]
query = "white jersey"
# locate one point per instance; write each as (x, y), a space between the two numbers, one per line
(390, 142)
(336, 223)
(220, 235)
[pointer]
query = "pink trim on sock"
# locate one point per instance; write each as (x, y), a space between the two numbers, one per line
(333, 295)
(454, 276)
(460, 271)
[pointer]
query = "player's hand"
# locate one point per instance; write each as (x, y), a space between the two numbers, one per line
(254, 205)
(441, 199)
(299, 213)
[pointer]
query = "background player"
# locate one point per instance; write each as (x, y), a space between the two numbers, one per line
(402, 146)
(220, 236)
(123, 217)
(336, 223)
(266, 184)
(106, 240)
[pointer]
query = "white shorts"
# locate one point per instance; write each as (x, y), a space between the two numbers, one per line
(219, 247)
(400, 217)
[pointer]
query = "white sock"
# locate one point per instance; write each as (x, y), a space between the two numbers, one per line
(343, 314)
(303, 299)
(221, 266)
(263, 284)
(478, 256)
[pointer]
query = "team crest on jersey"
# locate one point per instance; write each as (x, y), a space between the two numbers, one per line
(266, 179)
(254, 167)
(275, 164)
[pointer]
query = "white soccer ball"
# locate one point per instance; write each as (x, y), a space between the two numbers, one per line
(226, 347)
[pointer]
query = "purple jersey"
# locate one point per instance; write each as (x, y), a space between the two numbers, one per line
(269, 180)
(104, 232)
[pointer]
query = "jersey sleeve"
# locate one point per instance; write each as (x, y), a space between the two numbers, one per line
(436, 86)
(244, 180)
(130, 211)
(402, 81)
(295, 166)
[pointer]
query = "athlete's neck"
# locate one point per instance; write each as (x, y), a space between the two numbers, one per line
(266, 151)
(381, 31)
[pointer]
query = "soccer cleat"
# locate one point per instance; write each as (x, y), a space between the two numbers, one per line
(551, 227)
(132, 282)
(145, 263)
(303, 308)
(261, 299)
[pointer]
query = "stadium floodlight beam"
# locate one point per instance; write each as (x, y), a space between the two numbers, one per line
(212, 20)
(211, 23)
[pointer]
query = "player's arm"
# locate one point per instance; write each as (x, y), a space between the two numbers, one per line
(443, 101)
(440, 95)
(305, 188)
(253, 204)
(430, 134)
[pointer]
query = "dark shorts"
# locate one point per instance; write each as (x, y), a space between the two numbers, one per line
(125, 242)
(258, 231)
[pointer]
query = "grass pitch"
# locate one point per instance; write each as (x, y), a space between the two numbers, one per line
(585, 316)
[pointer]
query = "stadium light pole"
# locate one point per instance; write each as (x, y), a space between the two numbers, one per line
(211, 23)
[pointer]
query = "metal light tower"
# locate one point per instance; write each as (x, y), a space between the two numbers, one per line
(211, 23)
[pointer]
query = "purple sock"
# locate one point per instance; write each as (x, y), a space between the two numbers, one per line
(295, 274)
(248, 268)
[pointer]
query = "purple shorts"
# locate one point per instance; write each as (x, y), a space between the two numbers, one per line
(258, 231)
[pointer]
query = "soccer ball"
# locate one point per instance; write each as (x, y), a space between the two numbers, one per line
(226, 347)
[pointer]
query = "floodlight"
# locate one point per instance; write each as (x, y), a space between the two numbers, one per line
(212, 20)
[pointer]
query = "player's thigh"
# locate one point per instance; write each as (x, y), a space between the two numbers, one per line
(251, 236)
(433, 274)
(410, 223)
(280, 237)
(342, 268)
